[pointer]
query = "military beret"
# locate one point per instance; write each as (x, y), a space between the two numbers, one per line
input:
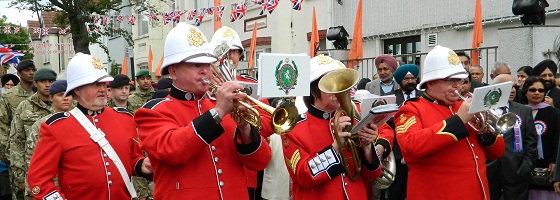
(24, 64)
(164, 83)
(44, 74)
(119, 80)
(142, 73)
(8, 77)
(58, 86)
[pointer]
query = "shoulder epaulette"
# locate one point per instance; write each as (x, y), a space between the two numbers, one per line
(151, 104)
(123, 110)
(57, 116)
(302, 117)
(410, 99)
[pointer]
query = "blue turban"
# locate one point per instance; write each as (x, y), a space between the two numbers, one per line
(403, 70)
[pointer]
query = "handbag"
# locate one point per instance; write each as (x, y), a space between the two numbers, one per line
(539, 176)
(520, 7)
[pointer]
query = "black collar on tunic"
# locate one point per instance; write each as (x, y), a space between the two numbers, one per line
(90, 112)
(320, 113)
(181, 94)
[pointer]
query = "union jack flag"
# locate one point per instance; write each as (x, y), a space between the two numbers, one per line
(297, 4)
(238, 11)
(45, 31)
(210, 11)
(131, 19)
(120, 18)
(95, 19)
(263, 8)
(177, 16)
(353, 90)
(7, 30)
(258, 1)
(16, 30)
(152, 16)
(167, 17)
(192, 14)
(271, 5)
(219, 13)
(104, 20)
(200, 17)
(62, 32)
(36, 30)
(8, 55)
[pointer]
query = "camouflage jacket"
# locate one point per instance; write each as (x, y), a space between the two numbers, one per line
(129, 107)
(139, 98)
(8, 103)
(26, 114)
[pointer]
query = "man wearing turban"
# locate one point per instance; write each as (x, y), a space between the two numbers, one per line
(546, 70)
(385, 65)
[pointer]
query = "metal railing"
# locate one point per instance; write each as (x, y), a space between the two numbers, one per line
(366, 67)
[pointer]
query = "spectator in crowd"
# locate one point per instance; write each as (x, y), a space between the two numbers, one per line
(522, 74)
(8, 81)
(546, 70)
(547, 128)
(466, 86)
(500, 68)
(385, 65)
(476, 73)
(508, 176)
(119, 90)
(466, 63)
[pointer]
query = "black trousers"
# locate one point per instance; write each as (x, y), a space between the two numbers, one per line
(397, 190)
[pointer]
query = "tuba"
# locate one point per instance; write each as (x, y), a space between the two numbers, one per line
(502, 123)
(339, 82)
(283, 118)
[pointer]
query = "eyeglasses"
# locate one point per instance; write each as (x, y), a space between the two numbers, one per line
(453, 81)
(540, 90)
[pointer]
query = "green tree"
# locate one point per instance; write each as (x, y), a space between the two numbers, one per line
(22, 37)
(78, 16)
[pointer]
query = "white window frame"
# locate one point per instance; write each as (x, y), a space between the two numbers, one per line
(47, 55)
(70, 48)
(142, 20)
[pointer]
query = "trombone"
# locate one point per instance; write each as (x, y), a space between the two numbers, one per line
(503, 123)
(339, 82)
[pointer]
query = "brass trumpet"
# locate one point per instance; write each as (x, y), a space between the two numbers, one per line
(503, 123)
(339, 82)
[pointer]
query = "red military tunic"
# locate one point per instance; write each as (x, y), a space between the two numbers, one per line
(313, 165)
(192, 156)
(446, 160)
(64, 148)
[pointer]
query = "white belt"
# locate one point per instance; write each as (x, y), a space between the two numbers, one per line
(99, 137)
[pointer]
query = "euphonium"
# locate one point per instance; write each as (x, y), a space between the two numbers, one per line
(339, 82)
(503, 123)
(388, 171)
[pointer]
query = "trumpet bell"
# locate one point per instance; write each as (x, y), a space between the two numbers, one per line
(284, 118)
(505, 122)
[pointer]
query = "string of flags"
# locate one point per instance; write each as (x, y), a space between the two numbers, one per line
(238, 11)
(36, 30)
(37, 46)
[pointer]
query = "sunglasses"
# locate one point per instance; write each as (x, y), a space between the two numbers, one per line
(540, 90)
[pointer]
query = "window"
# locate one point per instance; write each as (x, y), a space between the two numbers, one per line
(404, 45)
(258, 52)
(46, 54)
(143, 24)
(70, 48)
(202, 4)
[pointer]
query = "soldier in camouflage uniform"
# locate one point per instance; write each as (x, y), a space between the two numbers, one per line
(135, 101)
(10, 100)
(28, 112)
(141, 96)
(61, 103)
(119, 90)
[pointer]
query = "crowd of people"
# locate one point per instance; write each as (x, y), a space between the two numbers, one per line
(89, 135)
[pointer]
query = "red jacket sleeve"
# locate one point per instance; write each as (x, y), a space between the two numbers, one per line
(44, 164)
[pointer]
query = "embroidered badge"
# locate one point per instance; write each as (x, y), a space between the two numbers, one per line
(195, 38)
(292, 162)
(492, 97)
(96, 63)
(229, 33)
(286, 75)
(324, 60)
(404, 127)
(35, 190)
(453, 58)
(402, 118)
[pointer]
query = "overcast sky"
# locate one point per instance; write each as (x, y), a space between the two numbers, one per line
(14, 15)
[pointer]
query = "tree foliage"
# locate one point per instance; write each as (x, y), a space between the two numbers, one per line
(20, 38)
(78, 16)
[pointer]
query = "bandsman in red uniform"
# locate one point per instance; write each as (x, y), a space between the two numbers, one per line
(92, 157)
(311, 152)
(446, 158)
(196, 149)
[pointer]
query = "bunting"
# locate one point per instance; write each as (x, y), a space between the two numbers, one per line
(219, 13)
(297, 4)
